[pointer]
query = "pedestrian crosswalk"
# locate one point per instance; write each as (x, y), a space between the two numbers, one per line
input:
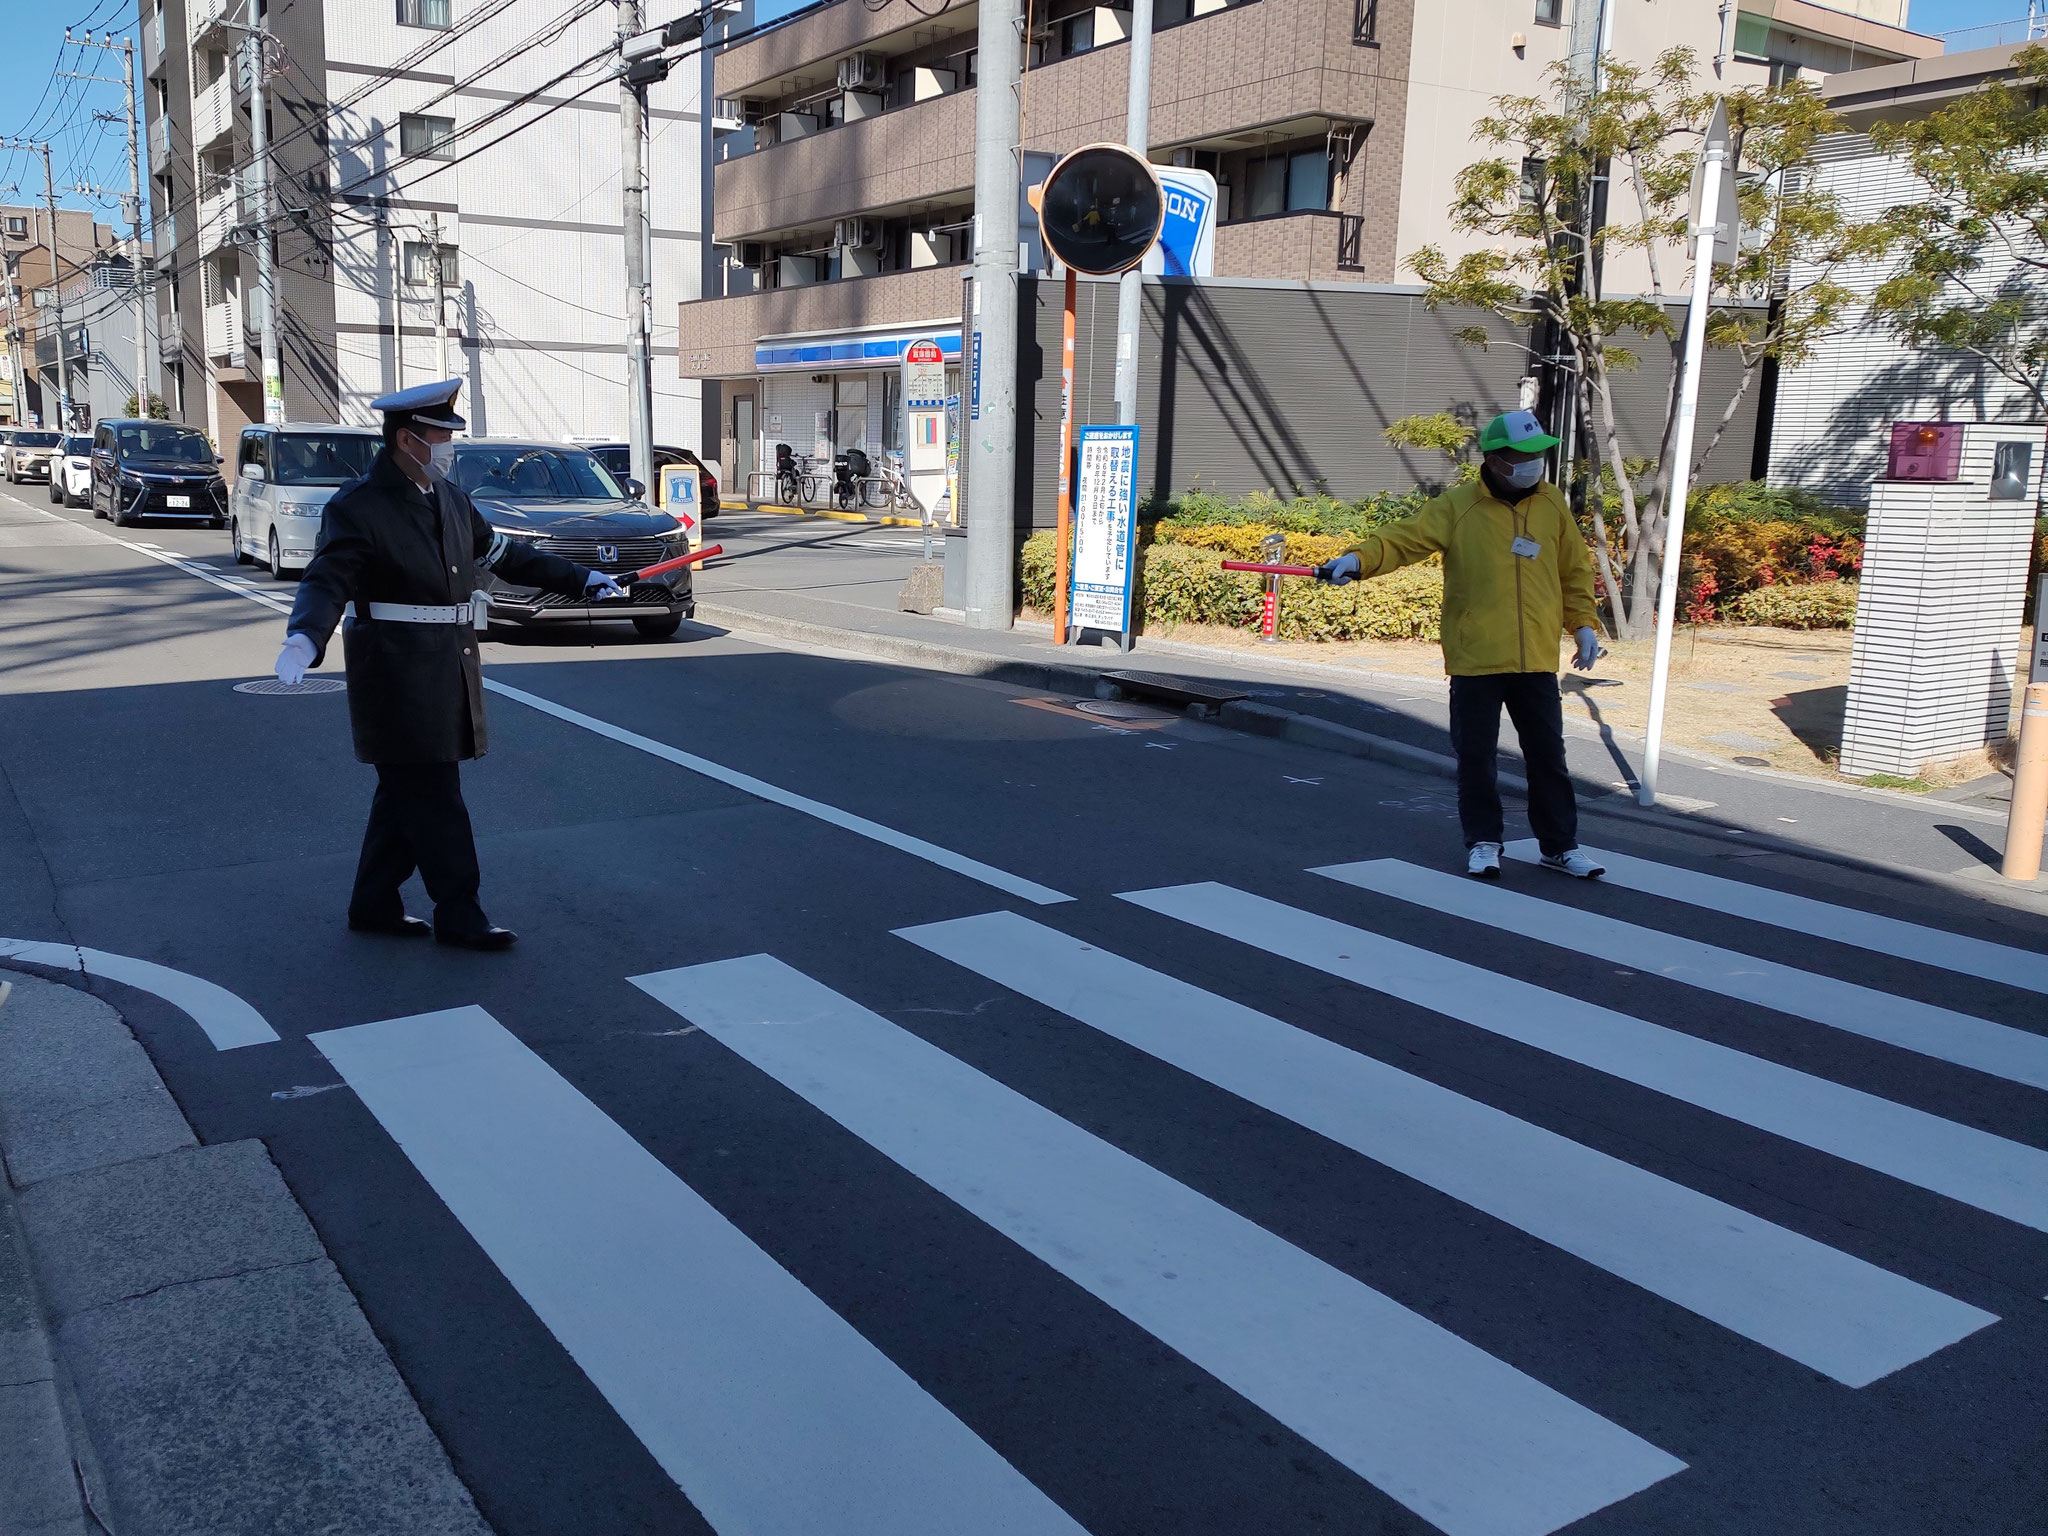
(777, 1416)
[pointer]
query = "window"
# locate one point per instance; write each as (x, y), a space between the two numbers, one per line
(1287, 183)
(1532, 184)
(321, 458)
(253, 445)
(1549, 13)
(1365, 23)
(437, 14)
(1308, 180)
(420, 135)
(493, 471)
(17, 226)
(1077, 33)
(419, 265)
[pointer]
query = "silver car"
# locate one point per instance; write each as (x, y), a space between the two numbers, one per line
(28, 454)
(283, 477)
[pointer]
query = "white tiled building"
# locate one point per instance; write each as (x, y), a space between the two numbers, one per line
(376, 116)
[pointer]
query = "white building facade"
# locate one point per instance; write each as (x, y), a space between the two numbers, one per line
(485, 129)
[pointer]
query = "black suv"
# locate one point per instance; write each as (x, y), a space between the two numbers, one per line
(155, 469)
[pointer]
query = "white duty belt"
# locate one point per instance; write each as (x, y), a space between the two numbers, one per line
(476, 612)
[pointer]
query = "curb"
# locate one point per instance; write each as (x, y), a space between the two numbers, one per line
(198, 1334)
(833, 513)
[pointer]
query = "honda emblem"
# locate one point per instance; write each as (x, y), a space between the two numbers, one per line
(608, 554)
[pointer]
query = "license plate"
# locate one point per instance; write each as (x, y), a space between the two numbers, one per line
(177, 501)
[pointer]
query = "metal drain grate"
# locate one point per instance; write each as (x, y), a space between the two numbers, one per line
(1110, 709)
(310, 685)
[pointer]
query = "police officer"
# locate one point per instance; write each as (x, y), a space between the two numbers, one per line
(1517, 576)
(404, 545)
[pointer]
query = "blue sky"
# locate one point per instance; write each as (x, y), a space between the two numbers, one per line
(34, 104)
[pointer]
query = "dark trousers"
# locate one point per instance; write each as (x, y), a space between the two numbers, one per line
(1533, 703)
(418, 821)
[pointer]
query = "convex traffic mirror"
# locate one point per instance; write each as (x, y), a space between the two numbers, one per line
(1101, 208)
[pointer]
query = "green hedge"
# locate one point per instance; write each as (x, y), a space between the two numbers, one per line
(1180, 584)
(1808, 605)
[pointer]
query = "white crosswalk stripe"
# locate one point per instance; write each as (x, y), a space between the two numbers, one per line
(1943, 1033)
(1785, 1291)
(1824, 920)
(1989, 1172)
(773, 1414)
(1462, 1439)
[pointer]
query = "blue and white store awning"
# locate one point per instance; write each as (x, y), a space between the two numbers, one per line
(851, 351)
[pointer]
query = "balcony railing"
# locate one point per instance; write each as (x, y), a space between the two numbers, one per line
(224, 333)
(1309, 245)
(213, 111)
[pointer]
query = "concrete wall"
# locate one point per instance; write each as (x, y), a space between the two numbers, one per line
(1288, 387)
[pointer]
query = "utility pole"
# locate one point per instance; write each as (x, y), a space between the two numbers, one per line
(1130, 288)
(63, 421)
(440, 296)
(991, 361)
(256, 49)
(126, 79)
(634, 234)
(14, 337)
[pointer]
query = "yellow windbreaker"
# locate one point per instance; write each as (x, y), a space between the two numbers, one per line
(1503, 612)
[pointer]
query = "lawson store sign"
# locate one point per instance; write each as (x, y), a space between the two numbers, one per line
(847, 353)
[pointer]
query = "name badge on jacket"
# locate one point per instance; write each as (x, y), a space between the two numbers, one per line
(1526, 547)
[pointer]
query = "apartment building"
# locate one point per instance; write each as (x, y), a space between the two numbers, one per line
(29, 301)
(843, 192)
(1834, 414)
(445, 200)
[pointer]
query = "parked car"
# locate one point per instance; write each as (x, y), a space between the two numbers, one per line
(283, 477)
(567, 503)
(155, 469)
(618, 458)
(28, 453)
(71, 471)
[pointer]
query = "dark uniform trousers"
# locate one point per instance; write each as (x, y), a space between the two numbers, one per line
(415, 691)
(418, 821)
(1537, 710)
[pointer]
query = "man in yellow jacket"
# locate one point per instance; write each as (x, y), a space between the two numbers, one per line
(1517, 577)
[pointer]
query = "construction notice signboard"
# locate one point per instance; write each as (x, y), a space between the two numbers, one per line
(1105, 528)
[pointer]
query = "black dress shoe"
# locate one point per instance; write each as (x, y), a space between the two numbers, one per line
(403, 928)
(483, 938)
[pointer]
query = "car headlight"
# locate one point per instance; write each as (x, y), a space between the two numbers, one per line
(289, 508)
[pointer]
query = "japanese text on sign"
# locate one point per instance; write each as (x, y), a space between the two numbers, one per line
(1105, 526)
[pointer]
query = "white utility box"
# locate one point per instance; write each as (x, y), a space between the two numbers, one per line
(1943, 589)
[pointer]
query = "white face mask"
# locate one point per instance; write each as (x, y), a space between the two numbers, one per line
(1521, 476)
(440, 461)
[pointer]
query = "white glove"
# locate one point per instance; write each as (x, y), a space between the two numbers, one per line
(293, 660)
(601, 586)
(1589, 648)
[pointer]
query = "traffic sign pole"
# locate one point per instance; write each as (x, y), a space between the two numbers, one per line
(1064, 542)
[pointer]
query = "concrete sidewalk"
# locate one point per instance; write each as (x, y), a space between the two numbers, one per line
(1403, 719)
(178, 1354)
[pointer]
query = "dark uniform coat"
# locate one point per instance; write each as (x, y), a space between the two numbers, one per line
(415, 691)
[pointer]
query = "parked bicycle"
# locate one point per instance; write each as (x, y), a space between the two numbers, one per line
(789, 486)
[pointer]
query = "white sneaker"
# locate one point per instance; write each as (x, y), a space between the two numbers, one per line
(1483, 861)
(1576, 863)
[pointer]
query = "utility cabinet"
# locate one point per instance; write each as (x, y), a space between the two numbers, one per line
(1943, 589)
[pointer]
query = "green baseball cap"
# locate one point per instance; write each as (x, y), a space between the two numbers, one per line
(1519, 430)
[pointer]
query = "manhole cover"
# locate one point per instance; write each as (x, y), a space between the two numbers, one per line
(1111, 709)
(310, 685)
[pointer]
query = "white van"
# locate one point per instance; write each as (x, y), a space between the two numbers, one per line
(283, 477)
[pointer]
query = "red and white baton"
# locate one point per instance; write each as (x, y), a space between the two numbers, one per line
(1269, 570)
(671, 565)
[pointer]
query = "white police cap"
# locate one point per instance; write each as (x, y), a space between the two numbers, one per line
(426, 405)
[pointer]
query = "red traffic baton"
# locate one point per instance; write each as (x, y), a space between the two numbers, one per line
(672, 565)
(1269, 570)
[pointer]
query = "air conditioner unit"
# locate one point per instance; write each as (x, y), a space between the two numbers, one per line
(857, 71)
(857, 234)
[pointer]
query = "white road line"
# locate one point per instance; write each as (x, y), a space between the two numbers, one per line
(227, 1020)
(2004, 1177)
(2014, 1054)
(1465, 1441)
(917, 847)
(769, 1410)
(1824, 920)
(746, 783)
(1825, 1309)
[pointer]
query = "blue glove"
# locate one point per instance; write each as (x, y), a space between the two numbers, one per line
(1589, 648)
(1338, 572)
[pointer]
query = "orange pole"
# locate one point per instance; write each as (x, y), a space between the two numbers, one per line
(1064, 540)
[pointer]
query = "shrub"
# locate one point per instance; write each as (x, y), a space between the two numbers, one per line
(1244, 541)
(1184, 584)
(1806, 605)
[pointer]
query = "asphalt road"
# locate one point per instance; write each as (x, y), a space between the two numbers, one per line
(1154, 1183)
